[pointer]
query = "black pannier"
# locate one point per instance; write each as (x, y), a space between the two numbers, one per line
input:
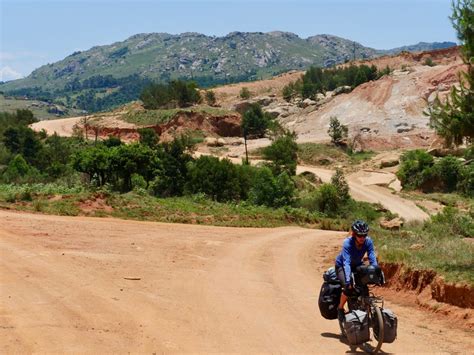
(369, 275)
(356, 327)
(390, 324)
(329, 298)
(330, 294)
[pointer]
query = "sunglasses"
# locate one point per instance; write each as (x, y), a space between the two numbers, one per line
(361, 236)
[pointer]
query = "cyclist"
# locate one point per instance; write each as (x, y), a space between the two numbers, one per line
(353, 250)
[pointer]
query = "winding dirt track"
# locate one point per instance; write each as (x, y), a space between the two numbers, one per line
(373, 194)
(75, 284)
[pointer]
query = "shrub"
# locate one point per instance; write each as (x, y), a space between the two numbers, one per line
(341, 185)
(429, 62)
(271, 191)
(283, 153)
(413, 163)
(337, 131)
(326, 200)
(244, 93)
(448, 170)
(452, 222)
(466, 181)
(210, 97)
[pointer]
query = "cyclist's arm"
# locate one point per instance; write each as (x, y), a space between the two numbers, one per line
(346, 257)
(371, 252)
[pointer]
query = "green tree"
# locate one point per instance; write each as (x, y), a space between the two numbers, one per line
(454, 120)
(415, 168)
(283, 154)
(254, 121)
(148, 137)
(271, 191)
(342, 187)
(17, 170)
(218, 179)
(337, 131)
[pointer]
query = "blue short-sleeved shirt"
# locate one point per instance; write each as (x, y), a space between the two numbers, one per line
(351, 257)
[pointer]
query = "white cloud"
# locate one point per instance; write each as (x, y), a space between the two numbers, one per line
(7, 73)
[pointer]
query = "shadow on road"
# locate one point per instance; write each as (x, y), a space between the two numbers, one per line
(352, 349)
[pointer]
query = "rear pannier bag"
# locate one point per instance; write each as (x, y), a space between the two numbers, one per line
(329, 298)
(356, 327)
(390, 324)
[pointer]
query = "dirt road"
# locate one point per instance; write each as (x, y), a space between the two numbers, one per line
(361, 191)
(103, 285)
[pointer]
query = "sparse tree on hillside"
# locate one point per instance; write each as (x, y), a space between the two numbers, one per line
(245, 93)
(337, 131)
(210, 97)
(454, 120)
(254, 121)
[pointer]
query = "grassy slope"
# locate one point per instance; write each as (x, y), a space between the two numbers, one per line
(11, 105)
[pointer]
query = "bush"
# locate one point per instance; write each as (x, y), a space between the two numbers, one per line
(244, 93)
(466, 181)
(271, 191)
(452, 222)
(448, 170)
(341, 185)
(283, 153)
(413, 164)
(210, 97)
(326, 200)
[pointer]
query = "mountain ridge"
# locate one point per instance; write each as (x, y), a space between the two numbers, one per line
(112, 74)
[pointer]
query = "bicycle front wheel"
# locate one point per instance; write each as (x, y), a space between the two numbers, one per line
(376, 331)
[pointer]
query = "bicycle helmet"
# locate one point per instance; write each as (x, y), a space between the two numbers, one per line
(360, 227)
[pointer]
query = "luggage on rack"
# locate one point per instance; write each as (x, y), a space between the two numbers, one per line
(330, 294)
(390, 324)
(356, 327)
(329, 298)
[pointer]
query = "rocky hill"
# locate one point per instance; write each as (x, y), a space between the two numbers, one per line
(382, 114)
(106, 76)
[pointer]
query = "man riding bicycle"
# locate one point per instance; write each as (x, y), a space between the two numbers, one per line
(353, 251)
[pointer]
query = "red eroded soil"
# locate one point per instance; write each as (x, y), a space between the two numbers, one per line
(183, 122)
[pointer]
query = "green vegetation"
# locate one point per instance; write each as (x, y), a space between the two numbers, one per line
(419, 170)
(210, 97)
(283, 154)
(175, 94)
(337, 131)
(323, 154)
(454, 120)
(160, 116)
(439, 244)
(255, 122)
(41, 109)
(244, 93)
(316, 80)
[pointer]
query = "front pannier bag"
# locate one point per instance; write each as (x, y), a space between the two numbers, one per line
(329, 298)
(390, 324)
(356, 327)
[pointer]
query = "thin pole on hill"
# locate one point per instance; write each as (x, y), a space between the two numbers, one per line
(246, 153)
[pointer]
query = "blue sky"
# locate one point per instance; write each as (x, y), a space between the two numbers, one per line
(37, 32)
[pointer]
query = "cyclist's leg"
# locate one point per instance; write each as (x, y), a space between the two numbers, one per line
(343, 300)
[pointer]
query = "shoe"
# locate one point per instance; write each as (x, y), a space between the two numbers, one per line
(341, 315)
